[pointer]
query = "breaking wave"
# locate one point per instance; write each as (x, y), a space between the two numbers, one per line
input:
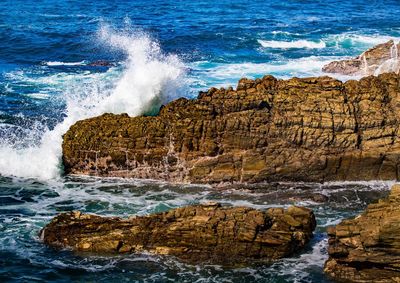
(343, 41)
(148, 78)
(57, 63)
(291, 44)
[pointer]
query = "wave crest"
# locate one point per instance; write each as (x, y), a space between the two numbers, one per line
(292, 44)
(148, 79)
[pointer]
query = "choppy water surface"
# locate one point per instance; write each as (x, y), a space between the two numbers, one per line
(27, 205)
(156, 51)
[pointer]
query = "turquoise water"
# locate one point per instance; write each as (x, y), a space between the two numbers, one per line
(154, 51)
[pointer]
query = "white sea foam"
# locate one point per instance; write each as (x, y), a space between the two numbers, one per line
(351, 40)
(222, 75)
(39, 95)
(344, 40)
(300, 267)
(58, 63)
(149, 78)
(8, 88)
(275, 32)
(292, 44)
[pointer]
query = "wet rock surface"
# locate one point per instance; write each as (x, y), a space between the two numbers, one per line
(310, 129)
(377, 60)
(366, 248)
(201, 233)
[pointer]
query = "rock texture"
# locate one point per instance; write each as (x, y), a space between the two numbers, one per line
(367, 248)
(309, 129)
(377, 60)
(202, 233)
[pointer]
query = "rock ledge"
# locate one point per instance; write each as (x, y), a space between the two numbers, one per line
(382, 58)
(367, 248)
(201, 233)
(309, 129)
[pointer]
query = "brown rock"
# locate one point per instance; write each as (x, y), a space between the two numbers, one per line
(201, 233)
(367, 248)
(310, 129)
(380, 59)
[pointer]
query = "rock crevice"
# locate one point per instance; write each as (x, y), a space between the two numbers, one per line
(309, 129)
(366, 248)
(201, 233)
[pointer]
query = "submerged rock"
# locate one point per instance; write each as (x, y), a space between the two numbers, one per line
(200, 233)
(101, 63)
(380, 59)
(367, 248)
(310, 129)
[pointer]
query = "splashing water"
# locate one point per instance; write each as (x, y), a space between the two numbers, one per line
(392, 64)
(148, 79)
(149, 75)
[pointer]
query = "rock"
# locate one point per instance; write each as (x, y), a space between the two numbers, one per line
(309, 129)
(101, 63)
(380, 59)
(367, 248)
(201, 233)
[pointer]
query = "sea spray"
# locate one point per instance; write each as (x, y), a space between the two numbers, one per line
(148, 78)
(392, 64)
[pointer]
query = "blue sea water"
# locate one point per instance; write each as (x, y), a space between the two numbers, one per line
(155, 51)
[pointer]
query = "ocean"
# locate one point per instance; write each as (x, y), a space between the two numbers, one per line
(63, 61)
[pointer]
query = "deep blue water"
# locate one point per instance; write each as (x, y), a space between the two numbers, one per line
(49, 79)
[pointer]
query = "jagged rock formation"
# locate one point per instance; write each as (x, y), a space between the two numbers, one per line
(309, 129)
(367, 248)
(201, 233)
(380, 59)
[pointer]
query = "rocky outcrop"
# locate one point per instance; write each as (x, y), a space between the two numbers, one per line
(309, 129)
(201, 233)
(380, 59)
(367, 248)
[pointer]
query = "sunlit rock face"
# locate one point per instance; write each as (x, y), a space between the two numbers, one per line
(382, 58)
(366, 248)
(201, 233)
(310, 129)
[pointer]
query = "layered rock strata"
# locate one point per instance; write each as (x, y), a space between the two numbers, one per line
(201, 233)
(377, 60)
(367, 248)
(309, 129)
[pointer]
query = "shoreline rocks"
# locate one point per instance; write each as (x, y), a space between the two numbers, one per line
(367, 248)
(309, 129)
(200, 233)
(379, 59)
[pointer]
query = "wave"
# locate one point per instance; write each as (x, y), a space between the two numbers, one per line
(38, 95)
(291, 44)
(58, 63)
(148, 79)
(275, 32)
(349, 41)
(8, 88)
(222, 75)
